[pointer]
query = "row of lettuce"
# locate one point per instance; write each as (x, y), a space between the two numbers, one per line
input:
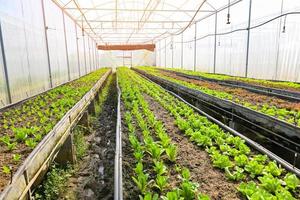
(154, 153)
(267, 83)
(257, 175)
(291, 116)
(23, 126)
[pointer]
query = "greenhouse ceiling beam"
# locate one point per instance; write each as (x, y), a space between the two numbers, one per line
(68, 14)
(114, 33)
(135, 21)
(125, 28)
(138, 10)
(83, 15)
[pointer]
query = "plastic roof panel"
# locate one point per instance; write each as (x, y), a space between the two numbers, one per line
(137, 21)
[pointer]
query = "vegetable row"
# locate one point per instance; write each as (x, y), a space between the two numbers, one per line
(155, 155)
(259, 177)
(291, 116)
(293, 86)
(23, 126)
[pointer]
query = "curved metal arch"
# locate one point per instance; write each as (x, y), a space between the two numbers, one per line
(111, 13)
(138, 2)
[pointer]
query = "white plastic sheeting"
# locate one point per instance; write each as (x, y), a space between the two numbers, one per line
(72, 47)
(25, 47)
(189, 48)
(81, 51)
(127, 58)
(3, 92)
(56, 43)
(273, 54)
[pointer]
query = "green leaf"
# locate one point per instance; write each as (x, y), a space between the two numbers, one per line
(291, 180)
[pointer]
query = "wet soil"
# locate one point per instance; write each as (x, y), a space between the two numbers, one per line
(95, 176)
(130, 191)
(241, 94)
(212, 181)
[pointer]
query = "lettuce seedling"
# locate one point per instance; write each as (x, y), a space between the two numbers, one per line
(254, 168)
(273, 169)
(171, 152)
(139, 168)
(142, 182)
(149, 196)
(16, 157)
(161, 182)
(270, 183)
(291, 181)
(241, 160)
(160, 168)
(247, 189)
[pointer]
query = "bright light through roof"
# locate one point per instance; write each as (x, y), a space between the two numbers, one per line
(138, 21)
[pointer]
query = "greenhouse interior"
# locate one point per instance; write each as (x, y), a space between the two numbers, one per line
(149, 99)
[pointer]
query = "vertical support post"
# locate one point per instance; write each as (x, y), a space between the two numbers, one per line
(278, 43)
(182, 51)
(159, 54)
(131, 59)
(78, 57)
(90, 59)
(123, 59)
(172, 52)
(66, 45)
(91, 108)
(84, 121)
(165, 53)
(215, 42)
(84, 52)
(248, 38)
(66, 153)
(195, 47)
(5, 66)
(47, 46)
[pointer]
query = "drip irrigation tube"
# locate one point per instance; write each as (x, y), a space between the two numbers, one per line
(118, 189)
(283, 94)
(255, 145)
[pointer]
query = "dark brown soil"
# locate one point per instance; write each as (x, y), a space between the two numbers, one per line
(212, 181)
(130, 191)
(241, 94)
(95, 177)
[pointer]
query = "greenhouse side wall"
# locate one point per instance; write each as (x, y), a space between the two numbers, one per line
(269, 50)
(41, 47)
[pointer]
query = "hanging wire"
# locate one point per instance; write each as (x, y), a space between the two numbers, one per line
(244, 29)
(228, 13)
(284, 24)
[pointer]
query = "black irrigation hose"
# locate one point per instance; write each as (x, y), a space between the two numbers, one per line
(236, 30)
(244, 29)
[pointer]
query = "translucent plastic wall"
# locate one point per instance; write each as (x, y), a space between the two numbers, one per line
(127, 58)
(268, 50)
(177, 51)
(3, 91)
(72, 47)
(37, 38)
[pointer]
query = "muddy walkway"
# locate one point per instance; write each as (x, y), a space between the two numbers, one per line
(95, 176)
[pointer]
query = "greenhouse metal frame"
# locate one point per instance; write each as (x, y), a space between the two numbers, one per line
(153, 99)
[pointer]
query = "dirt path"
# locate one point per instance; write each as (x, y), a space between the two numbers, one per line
(95, 177)
(239, 93)
(212, 181)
